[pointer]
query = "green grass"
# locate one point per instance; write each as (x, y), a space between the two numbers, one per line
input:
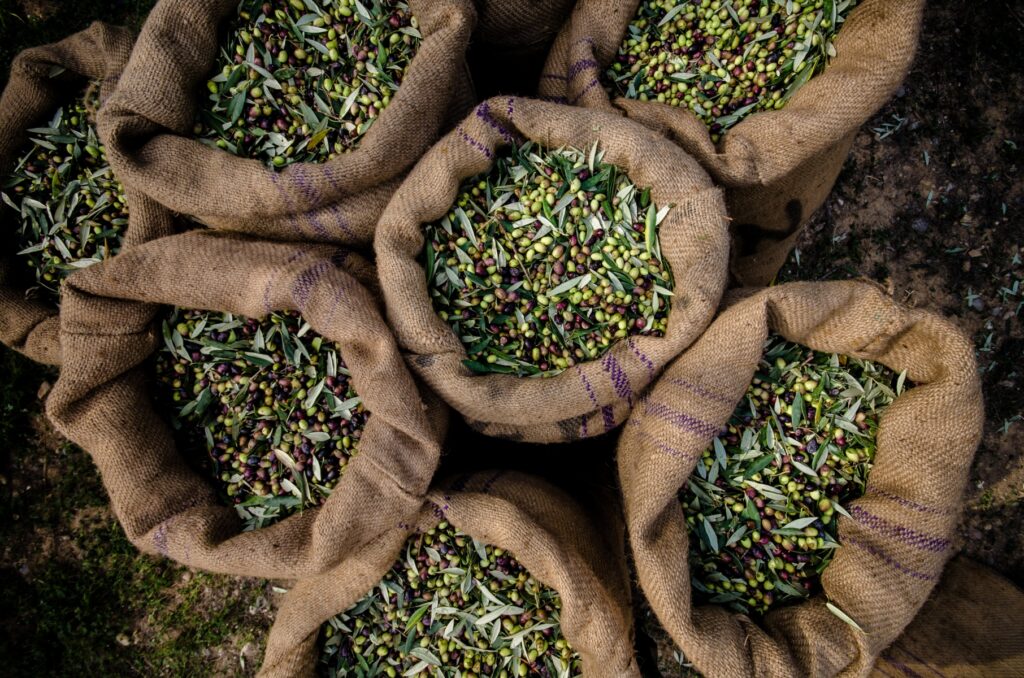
(73, 613)
(18, 384)
(73, 590)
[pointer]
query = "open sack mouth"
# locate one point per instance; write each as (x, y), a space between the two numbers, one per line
(547, 260)
(273, 245)
(451, 603)
(267, 403)
(304, 83)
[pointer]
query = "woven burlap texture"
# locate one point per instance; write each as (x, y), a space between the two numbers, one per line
(149, 126)
(520, 27)
(969, 628)
(777, 167)
(544, 529)
(590, 398)
(899, 539)
(110, 328)
(43, 79)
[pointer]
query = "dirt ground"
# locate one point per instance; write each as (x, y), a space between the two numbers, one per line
(930, 202)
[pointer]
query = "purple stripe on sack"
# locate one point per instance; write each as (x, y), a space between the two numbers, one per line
(490, 482)
(290, 217)
(318, 226)
(483, 111)
(644, 360)
(607, 413)
(328, 171)
(302, 288)
(553, 76)
(441, 512)
(583, 426)
(586, 385)
(903, 668)
(619, 379)
(160, 539)
(555, 100)
(904, 534)
(474, 143)
(682, 420)
(591, 85)
(511, 106)
(906, 503)
(299, 173)
(701, 391)
(609, 417)
(335, 211)
(340, 219)
(890, 561)
(299, 254)
(580, 66)
(921, 661)
(667, 449)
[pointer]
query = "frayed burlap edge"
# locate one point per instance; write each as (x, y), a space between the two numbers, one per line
(149, 123)
(35, 90)
(777, 167)
(102, 401)
(542, 527)
(590, 398)
(899, 539)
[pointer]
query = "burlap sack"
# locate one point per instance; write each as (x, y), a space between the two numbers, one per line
(591, 398)
(548, 533)
(520, 27)
(149, 125)
(777, 167)
(896, 546)
(33, 94)
(970, 628)
(102, 401)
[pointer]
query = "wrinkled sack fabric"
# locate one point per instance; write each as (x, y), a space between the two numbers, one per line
(777, 167)
(149, 123)
(895, 547)
(558, 542)
(103, 402)
(593, 397)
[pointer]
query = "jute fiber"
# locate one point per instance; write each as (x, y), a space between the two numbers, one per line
(895, 547)
(590, 398)
(970, 628)
(518, 27)
(149, 124)
(546, 531)
(110, 329)
(777, 167)
(43, 79)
